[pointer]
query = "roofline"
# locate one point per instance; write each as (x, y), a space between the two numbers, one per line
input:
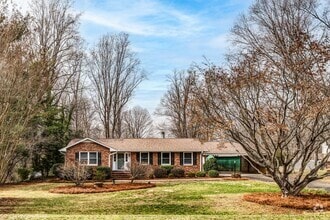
(225, 154)
(86, 139)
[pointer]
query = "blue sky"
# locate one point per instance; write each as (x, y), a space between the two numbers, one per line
(167, 35)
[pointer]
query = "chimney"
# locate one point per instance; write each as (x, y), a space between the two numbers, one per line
(163, 134)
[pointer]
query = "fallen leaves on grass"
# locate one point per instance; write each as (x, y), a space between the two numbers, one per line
(304, 201)
(105, 188)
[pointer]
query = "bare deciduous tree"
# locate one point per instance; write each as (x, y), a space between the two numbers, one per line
(178, 105)
(175, 105)
(57, 43)
(21, 88)
(115, 73)
(137, 123)
(274, 99)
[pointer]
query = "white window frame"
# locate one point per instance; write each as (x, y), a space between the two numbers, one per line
(141, 158)
(88, 152)
(161, 160)
(192, 158)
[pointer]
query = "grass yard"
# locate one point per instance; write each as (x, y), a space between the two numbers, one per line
(188, 200)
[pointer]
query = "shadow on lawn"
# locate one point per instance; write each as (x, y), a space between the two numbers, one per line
(7, 205)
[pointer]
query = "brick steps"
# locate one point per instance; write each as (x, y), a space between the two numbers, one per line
(121, 175)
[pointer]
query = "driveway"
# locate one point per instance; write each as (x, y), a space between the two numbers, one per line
(316, 184)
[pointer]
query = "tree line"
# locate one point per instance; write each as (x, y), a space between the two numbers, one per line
(53, 89)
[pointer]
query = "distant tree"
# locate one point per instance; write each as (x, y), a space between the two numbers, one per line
(179, 107)
(137, 123)
(275, 98)
(115, 73)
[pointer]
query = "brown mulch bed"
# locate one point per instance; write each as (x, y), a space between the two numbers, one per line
(90, 188)
(305, 201)
(8, 204)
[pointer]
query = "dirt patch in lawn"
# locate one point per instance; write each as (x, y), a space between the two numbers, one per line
(90, 188)
(305, 201)
(8, 204)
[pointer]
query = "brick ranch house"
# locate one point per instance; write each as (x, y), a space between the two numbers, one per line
(187, 153)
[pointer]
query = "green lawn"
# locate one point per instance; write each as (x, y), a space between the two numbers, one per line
(188, 200)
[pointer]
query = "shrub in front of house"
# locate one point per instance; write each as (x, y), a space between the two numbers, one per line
(191, 174)
(139, 171)
(168, 168)
(160, 172)
(200, 174)
(210, 164)
(77, 173)
(23, 173)
(213, 173)
(57, 170)
(178, 172)
(170, 175)
(105, 170)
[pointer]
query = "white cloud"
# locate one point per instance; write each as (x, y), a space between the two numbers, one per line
(145, 18)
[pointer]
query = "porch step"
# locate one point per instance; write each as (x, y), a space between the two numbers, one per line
(121, 175)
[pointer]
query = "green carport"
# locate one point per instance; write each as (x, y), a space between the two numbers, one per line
(229, 163)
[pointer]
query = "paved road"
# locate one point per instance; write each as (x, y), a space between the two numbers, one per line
(316, 184)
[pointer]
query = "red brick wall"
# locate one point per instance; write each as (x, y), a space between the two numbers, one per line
(105, 152)
(187, 168)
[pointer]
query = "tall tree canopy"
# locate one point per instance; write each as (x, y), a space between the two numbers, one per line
(274, 99)
(115, 73)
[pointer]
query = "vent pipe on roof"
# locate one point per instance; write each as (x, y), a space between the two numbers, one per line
(163, 134)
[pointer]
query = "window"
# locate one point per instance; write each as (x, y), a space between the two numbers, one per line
(92, 158)
(83, 158)
(88, 158)
(166, 159)
(187, 159)
(144, 158)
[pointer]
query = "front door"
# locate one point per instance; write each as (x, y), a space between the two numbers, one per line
(120, 161)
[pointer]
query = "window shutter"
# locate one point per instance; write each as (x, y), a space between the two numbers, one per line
(195, 158)
(159, 158)
(77, 156)
(181, 158)
(138, 157)
(99, 158)
(151, 158)
(172, 158)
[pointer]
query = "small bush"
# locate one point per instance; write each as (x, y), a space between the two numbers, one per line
(170, 175)
(210, 164)
(213, 173)
(77, 173)
(178, 172)
(160, 172)
(191, 174)
(91, 171)
(105, 170)
(99, 175)
(168, 168)
(139, 171)
(57, 170)
(200, 174)
(23, 173)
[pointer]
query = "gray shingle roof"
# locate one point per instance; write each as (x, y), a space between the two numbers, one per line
(167, 145)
